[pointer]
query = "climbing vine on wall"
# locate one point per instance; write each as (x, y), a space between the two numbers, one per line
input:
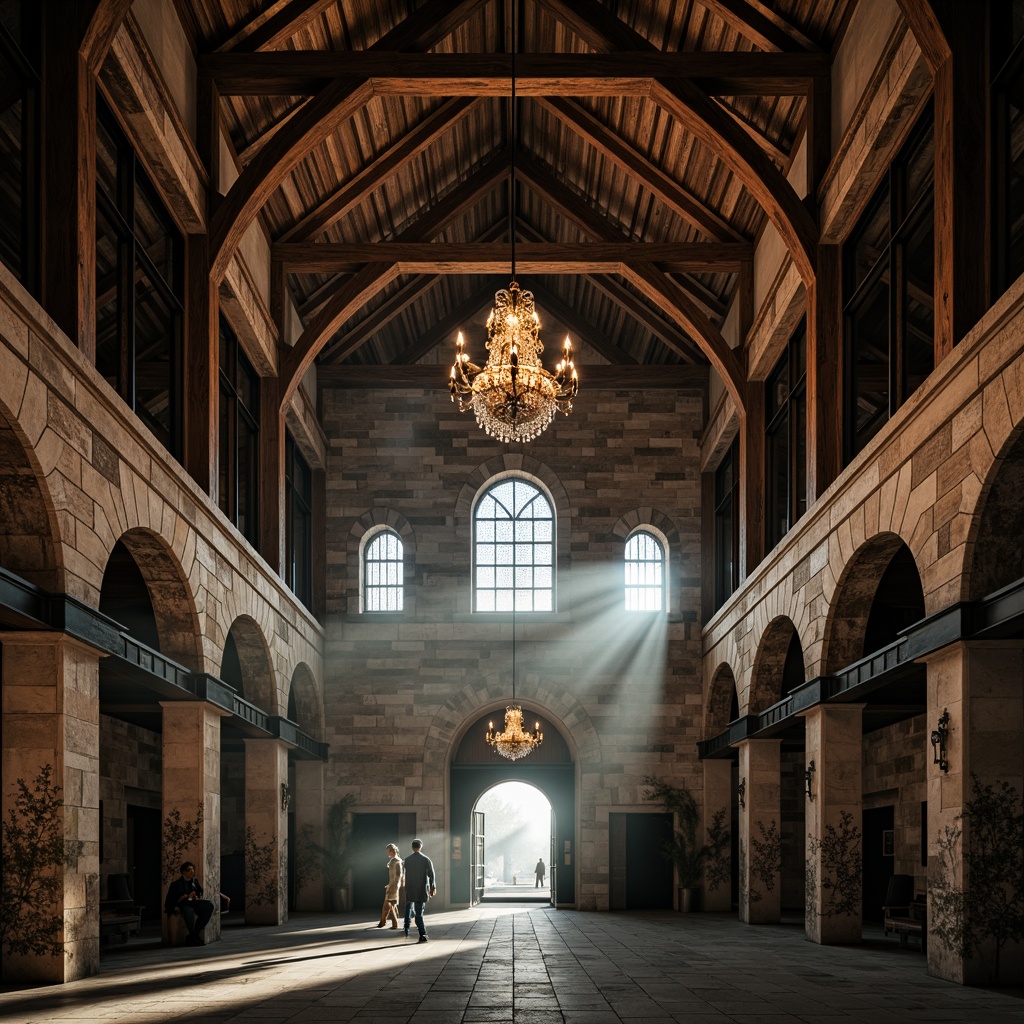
(716, 869)
(765, 859)
(262, 873)
(34, 852)
(179, 837)
(839, 855)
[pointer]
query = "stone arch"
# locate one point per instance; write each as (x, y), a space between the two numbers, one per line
(995, 556)
(863, 592)
(174, 609)
(720, 701)
(247, 664)
(305, 708)
(28, 523)
(364, 526)
(778, 665)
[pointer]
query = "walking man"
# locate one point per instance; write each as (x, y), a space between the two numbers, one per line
(540, 871)
(419, 885)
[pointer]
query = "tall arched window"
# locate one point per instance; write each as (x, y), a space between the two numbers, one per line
(383, 573)
(645, 573)
(514, 549)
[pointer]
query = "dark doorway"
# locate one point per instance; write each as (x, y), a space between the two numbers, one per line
(878, 859)
(371, 833)
(144, 859)
(639, 872)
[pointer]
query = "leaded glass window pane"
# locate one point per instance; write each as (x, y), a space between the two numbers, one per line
(644, 573)
(383, 570)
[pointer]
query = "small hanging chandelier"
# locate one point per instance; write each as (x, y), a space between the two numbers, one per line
(513, 396)
(514, 741)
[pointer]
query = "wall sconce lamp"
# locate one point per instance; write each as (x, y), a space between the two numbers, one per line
(808, 772)
(741, 791)
(286, 797)
(939, 734)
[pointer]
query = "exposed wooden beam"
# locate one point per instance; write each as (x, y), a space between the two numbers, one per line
(651, 177)
(318, 119)
(682, 377)
(303, 72)
(445, 330)
(759, 26)
(248, 154)
(373, 175)
(278, 23)
(534, 258)
(581, 330)
(771, 148)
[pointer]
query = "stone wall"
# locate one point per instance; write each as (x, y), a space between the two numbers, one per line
(399, 689)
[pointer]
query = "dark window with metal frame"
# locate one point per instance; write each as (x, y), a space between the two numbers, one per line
(513, 549)
(1007, 111)
(786, 439)
(139, 287)
(20, 141)
(239, 440)
(298, 484)
(727, 526)
(889, 284)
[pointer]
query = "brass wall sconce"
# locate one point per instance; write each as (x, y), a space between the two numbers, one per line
(808, 772)
(939, 734)
(286, 797)
(741, 792)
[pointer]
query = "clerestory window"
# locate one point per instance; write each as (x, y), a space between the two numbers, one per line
(645, 573)
(383, 573)
(513, 549)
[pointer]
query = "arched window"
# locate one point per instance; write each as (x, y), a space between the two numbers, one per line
(383, 572)
(514, 549)
(645, 573)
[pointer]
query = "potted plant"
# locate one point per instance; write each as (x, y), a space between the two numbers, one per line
(682, 849)
(334, 855)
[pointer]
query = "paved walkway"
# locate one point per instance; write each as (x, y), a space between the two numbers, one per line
(513, 965)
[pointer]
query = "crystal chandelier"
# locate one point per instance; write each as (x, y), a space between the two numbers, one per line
(514, 741)
(513, 396)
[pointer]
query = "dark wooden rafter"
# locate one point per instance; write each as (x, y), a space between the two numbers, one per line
(446, 329)
(652, 178)
(712, 127)
(318, 119)
(456, 202)
(772, 149)
(764, 30)
(665, 293)
(307, 72)
(99, 32)
(581, 330)
(534, 258)
(373, 175)
(278, 23)
(248, 154)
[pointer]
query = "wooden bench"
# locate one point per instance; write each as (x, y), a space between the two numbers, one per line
(908, 920)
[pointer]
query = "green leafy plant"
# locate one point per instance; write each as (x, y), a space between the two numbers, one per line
(179, 838)
(34, 851)
(334, 854)
(262, 882)
(716, 870)
(992, 907)
(682, 849)
(838, 852)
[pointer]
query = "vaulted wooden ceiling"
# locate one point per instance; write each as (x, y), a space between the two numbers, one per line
(373, 140)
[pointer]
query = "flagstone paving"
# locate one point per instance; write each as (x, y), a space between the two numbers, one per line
(513, 965)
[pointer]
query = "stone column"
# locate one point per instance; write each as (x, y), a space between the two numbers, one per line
(718, 797)
(834, 854)
(308, 802)
(191, 798)
(51, 717)
(266, 832)
(978, 683)
(760, 831)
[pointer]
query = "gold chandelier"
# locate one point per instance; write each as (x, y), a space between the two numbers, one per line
(513, 396)
(514, 741)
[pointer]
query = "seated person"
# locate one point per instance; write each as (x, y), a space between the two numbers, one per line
(185, 896)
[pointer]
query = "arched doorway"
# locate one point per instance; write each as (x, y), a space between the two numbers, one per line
(512, 850)
(475, 770)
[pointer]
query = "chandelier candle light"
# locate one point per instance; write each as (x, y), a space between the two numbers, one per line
(513, 396)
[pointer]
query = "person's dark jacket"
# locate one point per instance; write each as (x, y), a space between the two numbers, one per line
(419, 877)
(178, 888)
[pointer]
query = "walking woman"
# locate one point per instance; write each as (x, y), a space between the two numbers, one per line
(390, 908)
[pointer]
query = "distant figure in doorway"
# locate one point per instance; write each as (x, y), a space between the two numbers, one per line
(185, 897)
(390, 908)
(419, 886)
(540, 871)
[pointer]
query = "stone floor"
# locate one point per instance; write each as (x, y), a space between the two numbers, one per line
(513, 965)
